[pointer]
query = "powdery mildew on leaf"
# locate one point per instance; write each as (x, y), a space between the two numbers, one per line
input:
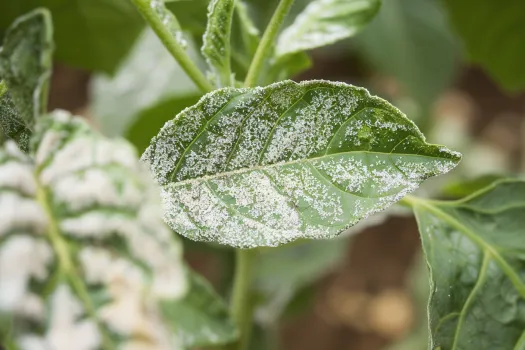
(324, 22)
(265, 166)
(85, 258)
(216, 39)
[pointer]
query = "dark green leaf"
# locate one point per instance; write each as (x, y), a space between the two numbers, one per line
(90, 34)
(475, 248)
(493, 35)
(325, 22)
(411, 40)
(463, 188)
(266, 166)
(216, 41)
(25, 66)
(201, 318)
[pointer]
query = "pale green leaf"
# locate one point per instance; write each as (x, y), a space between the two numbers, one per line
(148, 77)
(85, 258)
(269, 165)
(25, 67)
(201, 318)
(493, 35)
(216, 40)
(325, 22)
(476, 251)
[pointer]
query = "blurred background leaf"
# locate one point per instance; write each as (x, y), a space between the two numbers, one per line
(89, 34)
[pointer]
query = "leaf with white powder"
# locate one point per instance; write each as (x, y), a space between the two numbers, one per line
(325, 22)
(266, 166)
(85, 259)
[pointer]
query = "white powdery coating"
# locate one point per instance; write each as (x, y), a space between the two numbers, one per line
(20, 214)
(17, 176)
(67, 328)
(83, 153)
(21, 259)
(321, 23)
(130, 311)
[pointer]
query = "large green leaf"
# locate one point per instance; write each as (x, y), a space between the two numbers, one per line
(476, 251)
(90, 34)
(216, 40)
(85, 259)
(201, 318)
(25, 67)
(325, 22)
(265, 166)
(493, 37)
(411, 41)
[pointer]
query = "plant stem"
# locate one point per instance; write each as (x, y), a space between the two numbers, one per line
(3, 88)
(241, 307)
(171, 43)
(266, 42)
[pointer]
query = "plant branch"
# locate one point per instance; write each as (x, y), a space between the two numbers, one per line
(266, 42)
(172, 45)
(241, 306)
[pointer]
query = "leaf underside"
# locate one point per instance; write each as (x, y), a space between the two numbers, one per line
(325, 22)
(265, 166)
(476, 252)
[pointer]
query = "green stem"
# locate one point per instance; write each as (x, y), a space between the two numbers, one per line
(3, 88)
(241, 307)
(171, 43)
(267, 42)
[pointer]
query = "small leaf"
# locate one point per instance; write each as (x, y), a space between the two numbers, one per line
(25, 66)
(245, 40)
(266, 166)
(325, 22)
(475, 250)
(493, 37)
(201, 318)
(85, 258)
(216, 40)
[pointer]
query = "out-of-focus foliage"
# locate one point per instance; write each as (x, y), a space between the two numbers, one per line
(492, 31)
(90, 34)
(411, 41)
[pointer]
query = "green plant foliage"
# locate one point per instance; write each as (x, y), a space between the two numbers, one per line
(411, 40)
(491, 33)
(25, 66)
(475, 251)
(216, 40)
(466, 187)
(148, 78)
(83, 254)
(90, 34)
(265, 166)
(201, 318)
(325, 22)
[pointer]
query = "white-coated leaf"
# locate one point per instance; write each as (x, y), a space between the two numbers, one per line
(268, 165)
(85, 259)
(325, 22)
(216, 39)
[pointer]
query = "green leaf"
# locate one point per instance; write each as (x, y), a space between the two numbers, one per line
(89, 34)
(324, 22)
(411, 41)
(216, 40)
(25, 66)
(86, 260)
(463, 188)
(201, 318)
(493, 37)
(475, 250)
(245, 40)
(266, 166)
(148, 78)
